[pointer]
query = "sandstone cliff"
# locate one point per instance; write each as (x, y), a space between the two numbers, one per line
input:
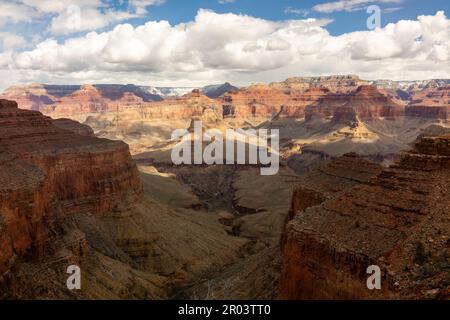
(431, 103)
(67, 198)
(367, 102)
(72, 100)
(398, 221)
(51, 177)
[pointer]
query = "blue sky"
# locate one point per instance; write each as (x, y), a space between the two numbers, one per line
(210, 41)
(177, 11)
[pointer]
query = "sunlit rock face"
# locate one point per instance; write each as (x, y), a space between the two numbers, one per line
(433, 103)
(49, 173)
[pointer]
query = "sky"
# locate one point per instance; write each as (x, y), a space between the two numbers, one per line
(200, 42)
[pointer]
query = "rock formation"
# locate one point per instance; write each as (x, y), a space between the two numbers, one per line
(67, 198)
(261, 100)
(50, 175)
(337, 83)
(431, 103)
(75, 127)
(290, 98)
(70, 100)
(367, 102)
(398, 220)
(190, 105)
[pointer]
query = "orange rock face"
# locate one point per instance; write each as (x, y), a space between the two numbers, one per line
(398, 220)
(48, 173)
(431, 103)
(292, 95)
(190, 105)
(367, 102)
(295, 97)
(259, 100)
(71, 100)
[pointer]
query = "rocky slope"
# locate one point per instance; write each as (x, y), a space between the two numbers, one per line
(397, 220)
(67, 198)
(215, 91)
(50, 178)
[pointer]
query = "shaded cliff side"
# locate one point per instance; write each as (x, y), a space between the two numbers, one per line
(52, 181)
(398, 220)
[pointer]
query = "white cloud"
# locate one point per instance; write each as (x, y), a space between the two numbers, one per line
(12, 12)
(10, 41)
(348, 5)
(218, 47)
(72, 16)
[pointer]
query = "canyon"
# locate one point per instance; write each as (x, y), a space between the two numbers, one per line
(87, 179)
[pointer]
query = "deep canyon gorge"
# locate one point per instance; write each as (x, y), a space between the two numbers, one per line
(87, 179)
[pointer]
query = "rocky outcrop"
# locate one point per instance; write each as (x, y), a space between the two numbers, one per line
(49, 174)
(432, 103)
(328, 179)
(73, 126)
(398, 221)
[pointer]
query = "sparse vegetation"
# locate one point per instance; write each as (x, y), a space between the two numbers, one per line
(420, 256)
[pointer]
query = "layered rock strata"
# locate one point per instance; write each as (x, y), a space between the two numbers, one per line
(48, 173)
(399, 221)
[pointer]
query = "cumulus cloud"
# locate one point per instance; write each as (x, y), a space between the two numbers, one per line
(217, 47)
(206, 43)
(10, 41)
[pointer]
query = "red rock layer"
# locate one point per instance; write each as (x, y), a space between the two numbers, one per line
(398, 221)
(75, 127)
(193, 104)
(47, 173)
(86, 100)
(367, 102)
(261, 100)
(431, 103)
(74, 100)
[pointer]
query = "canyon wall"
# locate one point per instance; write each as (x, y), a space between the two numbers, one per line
(397, 220)
(296, 97)
(432, 103)
(48, 173)
(366, 102)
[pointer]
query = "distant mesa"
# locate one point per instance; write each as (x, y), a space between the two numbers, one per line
(297, 97)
